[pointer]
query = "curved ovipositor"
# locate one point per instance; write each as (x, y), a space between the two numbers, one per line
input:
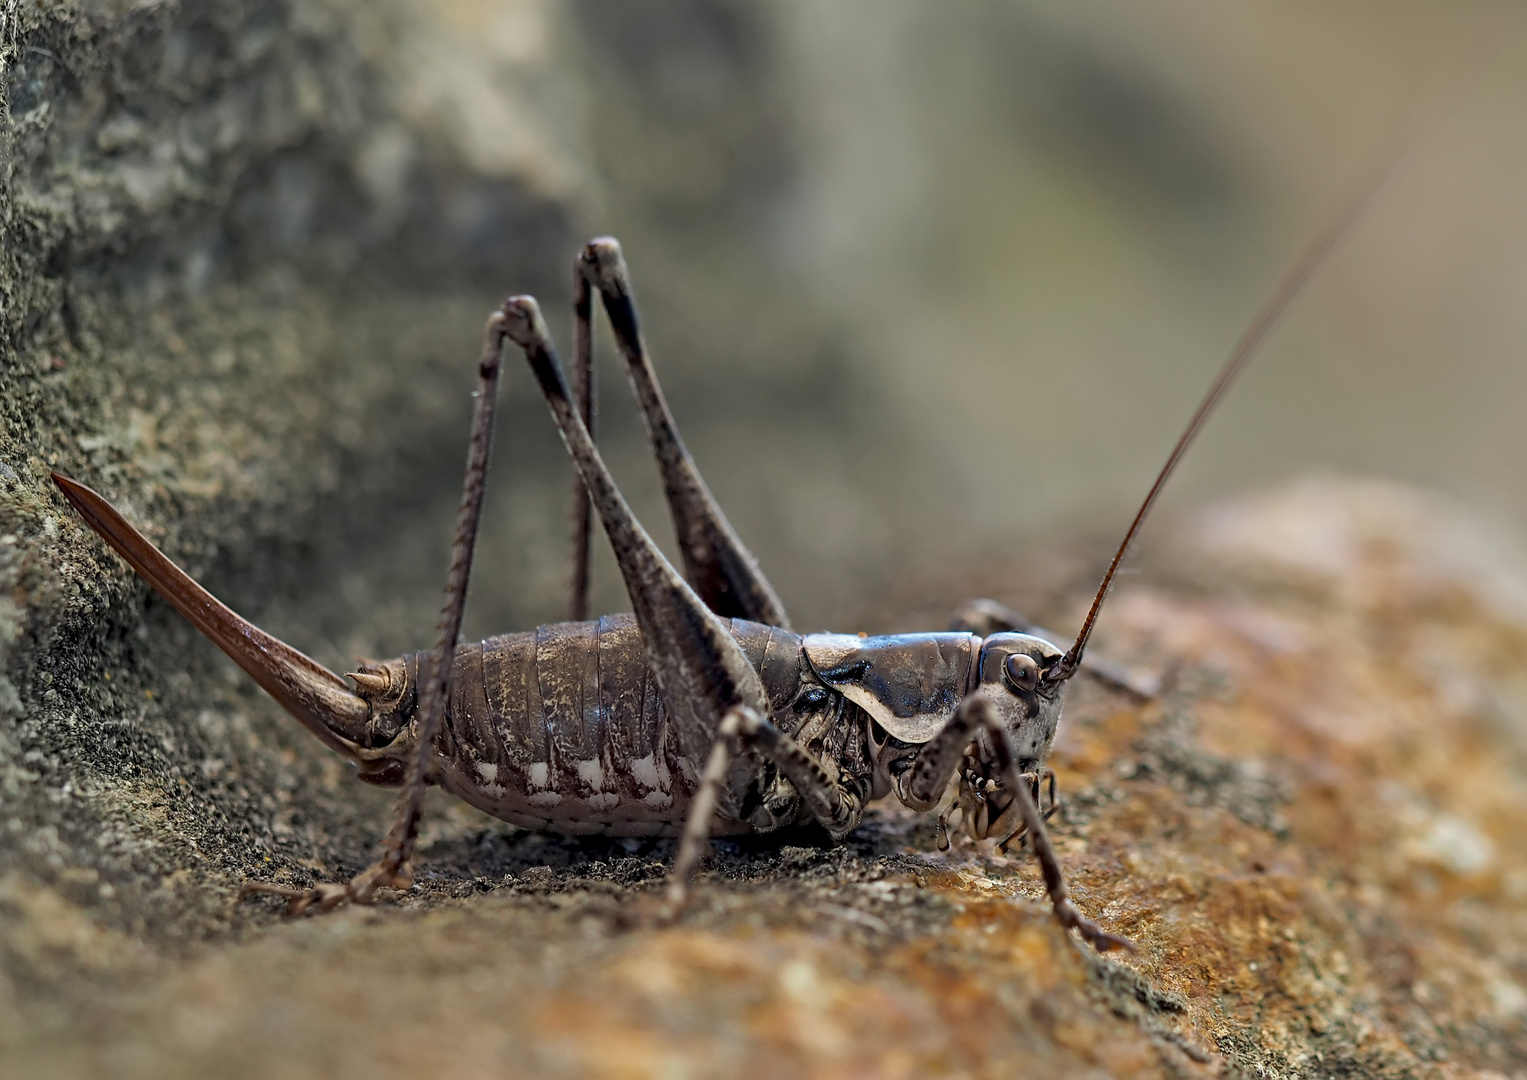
(320, 699)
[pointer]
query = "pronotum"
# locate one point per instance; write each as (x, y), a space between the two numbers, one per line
(703, 712)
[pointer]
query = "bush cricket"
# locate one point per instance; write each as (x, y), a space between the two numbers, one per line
(702, 713)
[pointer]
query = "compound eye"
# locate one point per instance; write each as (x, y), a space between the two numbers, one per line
(1022, 671)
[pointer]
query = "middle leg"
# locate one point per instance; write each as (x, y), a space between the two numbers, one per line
(837, 806)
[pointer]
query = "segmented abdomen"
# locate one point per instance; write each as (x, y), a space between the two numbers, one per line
(561, 729)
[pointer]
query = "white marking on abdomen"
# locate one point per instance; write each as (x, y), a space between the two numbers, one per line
(591, 773)
(644, 770)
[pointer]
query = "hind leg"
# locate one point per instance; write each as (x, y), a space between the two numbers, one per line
(393, 869)
(713, 696)
(586, 402)
(722, 570)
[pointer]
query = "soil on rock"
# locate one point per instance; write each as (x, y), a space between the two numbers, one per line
(1311, 837)
(225, 266)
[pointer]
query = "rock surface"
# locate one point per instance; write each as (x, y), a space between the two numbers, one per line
(1313, 837)
(232, 231)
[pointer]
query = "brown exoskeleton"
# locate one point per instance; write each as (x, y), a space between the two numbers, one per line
(702, 713)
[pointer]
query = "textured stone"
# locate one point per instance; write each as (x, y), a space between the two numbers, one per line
(228, 229)
(1313, 839)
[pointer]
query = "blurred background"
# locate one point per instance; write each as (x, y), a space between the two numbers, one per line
(932, 288)
(932, 285)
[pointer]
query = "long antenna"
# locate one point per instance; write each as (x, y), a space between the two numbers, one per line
(1293, 281)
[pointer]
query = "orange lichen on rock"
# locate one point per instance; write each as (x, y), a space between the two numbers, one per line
(1353, 668)
(1313, 838)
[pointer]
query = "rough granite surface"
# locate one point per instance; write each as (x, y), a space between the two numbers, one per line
(221, 225)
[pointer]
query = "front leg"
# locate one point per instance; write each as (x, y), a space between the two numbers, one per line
(1049, 865)
(1034, 780)
(924, 783)
(921, 787)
